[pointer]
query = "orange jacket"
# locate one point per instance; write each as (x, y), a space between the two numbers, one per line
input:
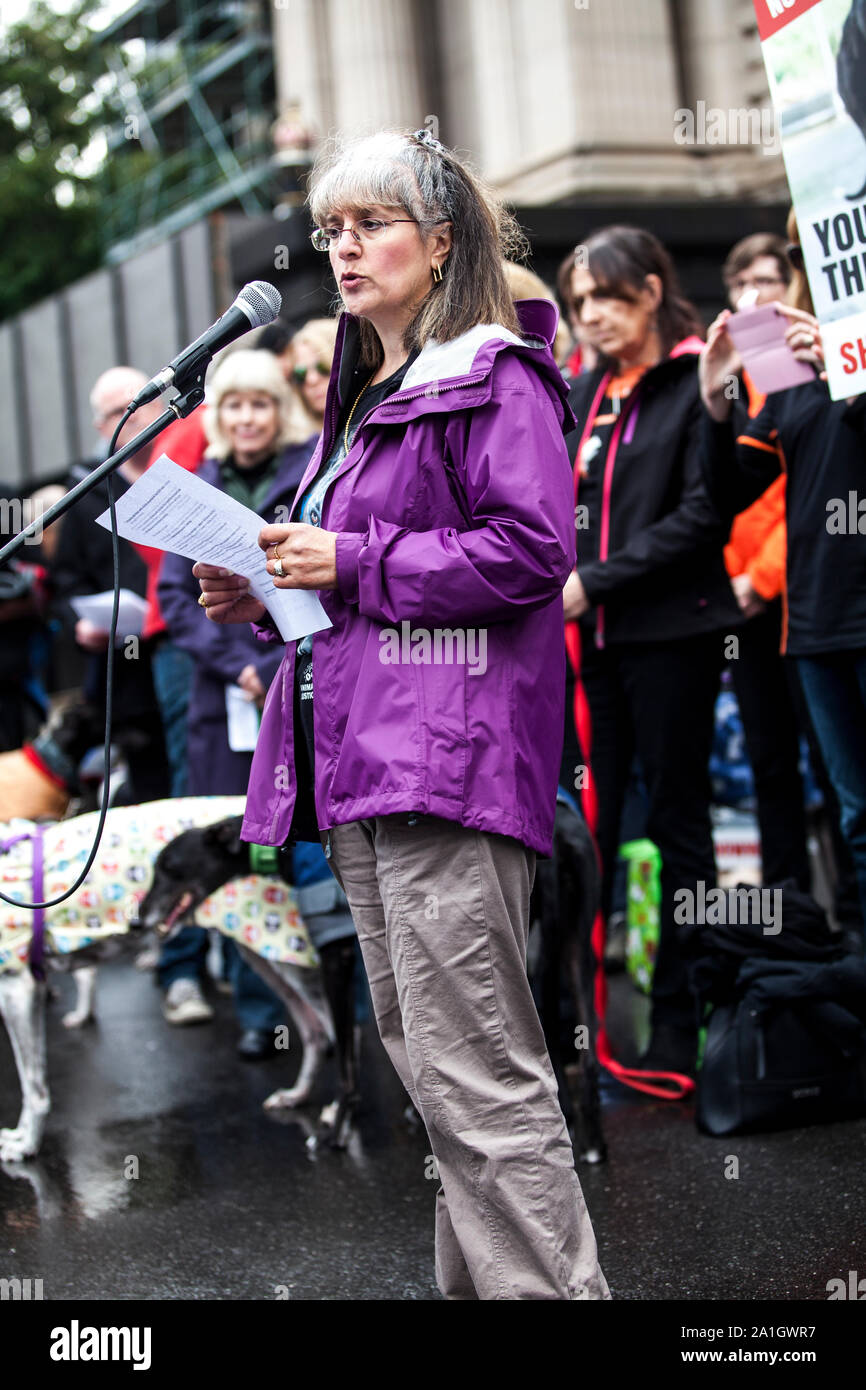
(758, 536)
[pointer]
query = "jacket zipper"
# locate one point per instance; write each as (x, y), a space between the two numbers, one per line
(584, 435)
(607, 488)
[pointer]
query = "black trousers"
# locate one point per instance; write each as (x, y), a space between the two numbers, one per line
(772, 734)
(657, 699)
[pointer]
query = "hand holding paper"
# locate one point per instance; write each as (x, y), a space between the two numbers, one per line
(174, 510)
(96, 608)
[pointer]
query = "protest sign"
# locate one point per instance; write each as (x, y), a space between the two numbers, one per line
(815, 55)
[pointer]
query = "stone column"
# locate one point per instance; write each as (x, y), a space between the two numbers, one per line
(375, 71)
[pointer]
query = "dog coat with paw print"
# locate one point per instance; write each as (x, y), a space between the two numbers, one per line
(258, 912)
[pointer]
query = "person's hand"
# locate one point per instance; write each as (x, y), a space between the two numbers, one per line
(719, 364)
(91, 637)
(803, 336)
(574, 600)
(307, 555)
(227, 596)
(747, 596)
(249, 682)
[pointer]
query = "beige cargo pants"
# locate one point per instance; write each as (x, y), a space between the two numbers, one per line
(442, 914)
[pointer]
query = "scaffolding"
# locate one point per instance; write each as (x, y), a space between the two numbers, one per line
(194, 83)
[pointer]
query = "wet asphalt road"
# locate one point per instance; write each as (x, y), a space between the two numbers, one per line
(231, 1203)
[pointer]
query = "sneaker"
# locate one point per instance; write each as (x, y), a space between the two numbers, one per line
(185, 1003)
(148, 959)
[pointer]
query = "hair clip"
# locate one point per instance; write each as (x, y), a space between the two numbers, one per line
(425, 138)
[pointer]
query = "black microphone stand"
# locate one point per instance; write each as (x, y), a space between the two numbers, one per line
(178, 409)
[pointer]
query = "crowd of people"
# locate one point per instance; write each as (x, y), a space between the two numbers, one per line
(252, 440)
(700, 511)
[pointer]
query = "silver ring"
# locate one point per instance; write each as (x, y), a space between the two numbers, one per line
(278, 567)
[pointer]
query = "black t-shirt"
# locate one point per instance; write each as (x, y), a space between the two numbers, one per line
(371, 397)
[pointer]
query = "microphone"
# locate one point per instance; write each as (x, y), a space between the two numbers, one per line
(257, 304)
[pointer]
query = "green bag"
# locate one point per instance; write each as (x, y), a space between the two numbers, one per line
(643, 907)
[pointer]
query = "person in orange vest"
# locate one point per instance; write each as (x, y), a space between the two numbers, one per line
(772, 704)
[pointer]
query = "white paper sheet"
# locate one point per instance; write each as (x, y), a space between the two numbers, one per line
(97, 608)
(242, 717)
(174, 510)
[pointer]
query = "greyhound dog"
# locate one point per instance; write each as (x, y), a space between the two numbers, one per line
(41, 862)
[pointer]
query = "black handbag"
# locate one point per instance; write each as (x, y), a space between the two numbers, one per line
(793, 1063)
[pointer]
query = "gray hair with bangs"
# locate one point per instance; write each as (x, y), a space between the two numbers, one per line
(432, 185)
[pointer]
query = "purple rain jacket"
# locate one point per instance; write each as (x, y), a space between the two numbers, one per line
(453, 508)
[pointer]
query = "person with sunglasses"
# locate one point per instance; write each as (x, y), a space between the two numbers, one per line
(438, 501)
(312, 352)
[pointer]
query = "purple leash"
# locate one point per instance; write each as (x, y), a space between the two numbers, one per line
(36, 953)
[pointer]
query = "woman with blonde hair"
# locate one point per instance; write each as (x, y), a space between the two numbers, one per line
(436, 513)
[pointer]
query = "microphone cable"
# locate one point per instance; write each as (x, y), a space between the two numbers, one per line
(109, 693)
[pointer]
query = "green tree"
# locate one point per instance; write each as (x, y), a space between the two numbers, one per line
(50, 105)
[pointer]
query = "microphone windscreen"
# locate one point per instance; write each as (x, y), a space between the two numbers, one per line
(261, 302)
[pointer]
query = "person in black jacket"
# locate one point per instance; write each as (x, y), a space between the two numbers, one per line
(821, 444)
(650, 594)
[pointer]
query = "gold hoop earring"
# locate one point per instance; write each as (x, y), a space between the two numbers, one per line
(437, 273)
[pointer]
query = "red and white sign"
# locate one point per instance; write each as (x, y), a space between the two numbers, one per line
(813, 53)
(773, 15)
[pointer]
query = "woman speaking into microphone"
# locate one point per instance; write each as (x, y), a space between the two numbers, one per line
(421, 733)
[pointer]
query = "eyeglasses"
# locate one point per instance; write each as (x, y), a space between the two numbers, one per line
(300, 373)
(756, 282)
(794, 252)
(368, 229)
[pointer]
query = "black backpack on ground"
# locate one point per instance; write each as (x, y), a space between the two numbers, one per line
(786, 1038)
